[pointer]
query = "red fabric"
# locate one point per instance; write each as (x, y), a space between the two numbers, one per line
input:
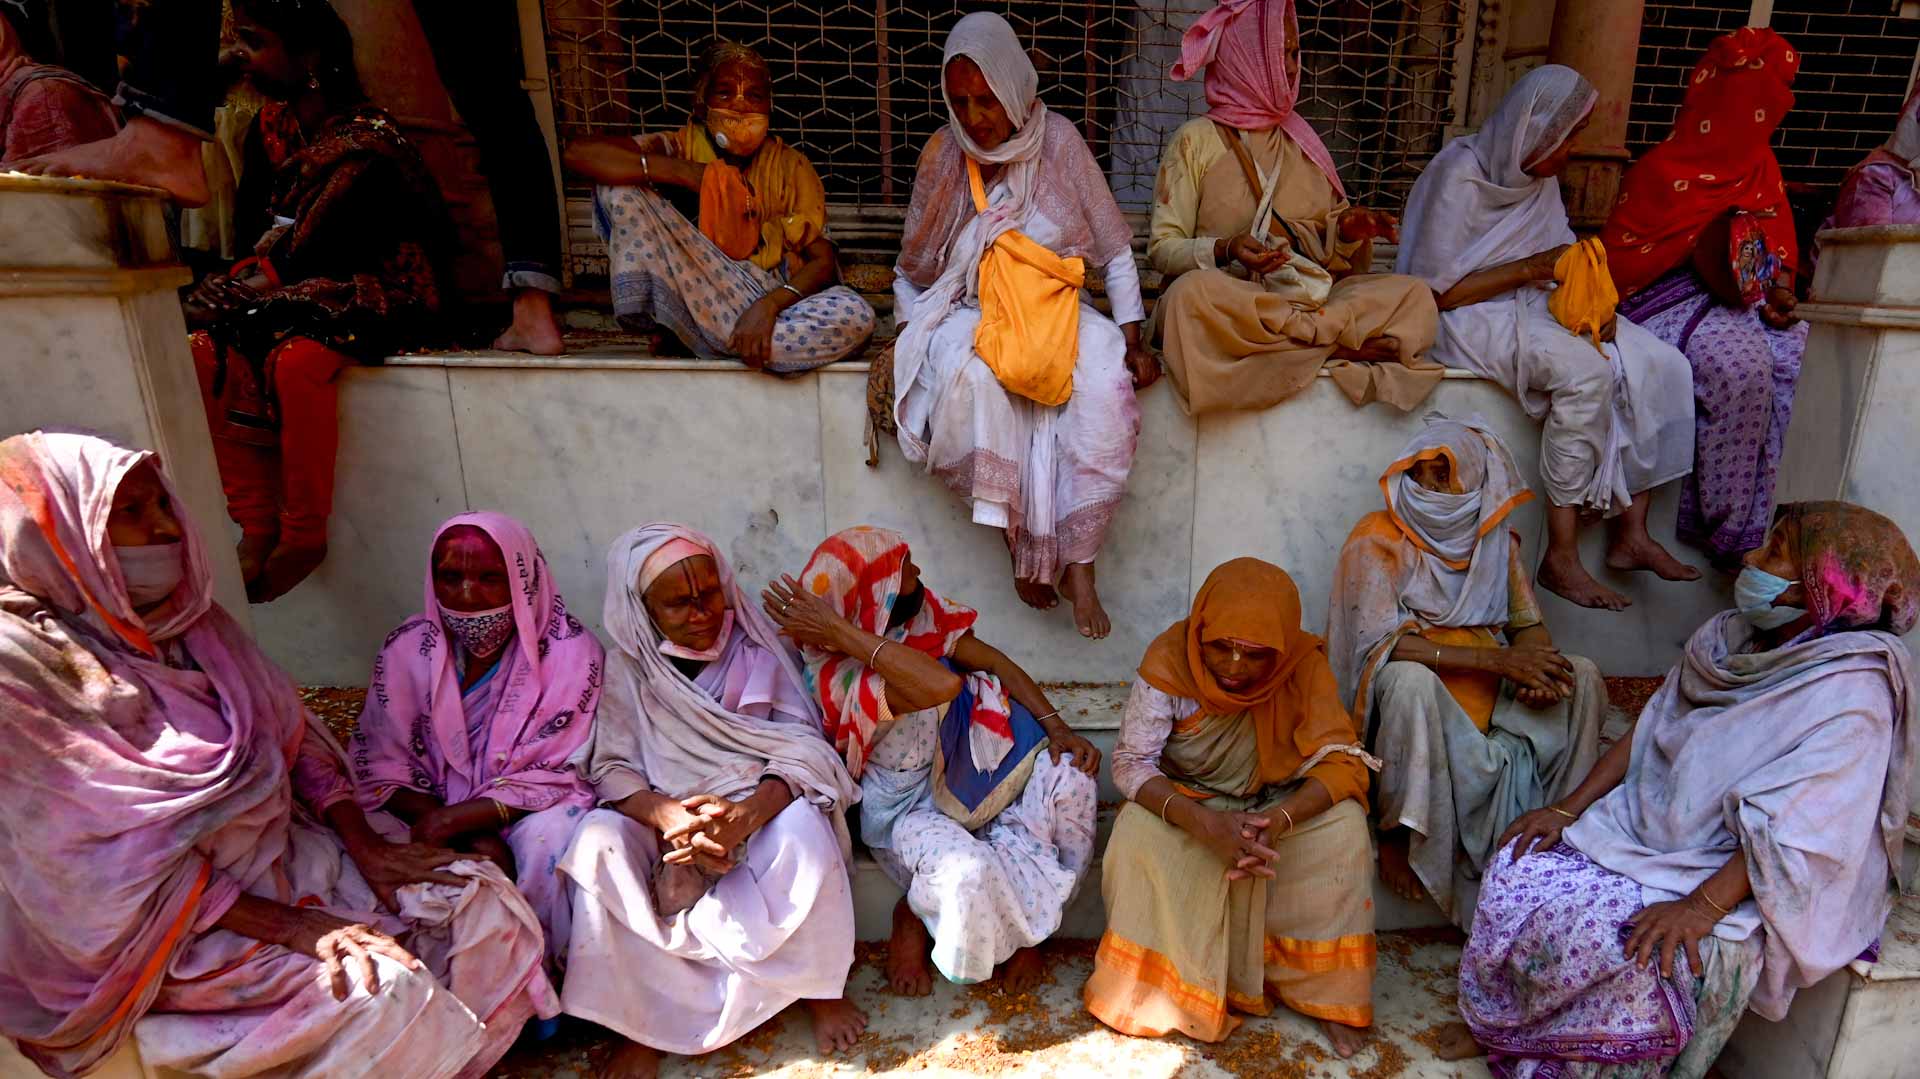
(283, 487)
(45, 108)
(1719, 158)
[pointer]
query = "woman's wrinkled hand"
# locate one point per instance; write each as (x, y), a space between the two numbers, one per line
(334, 941)
(1777, 310)
(1236, 839)
(803, 617)
(1258, 258)
(1142, 364)
(1664, 929)
(1538, 830)
(1540, 267)
(1359, 224)
(1062, 739)
(727, 824)
(216, 296)
(752, 338)
(1540, 669)
(389, 867)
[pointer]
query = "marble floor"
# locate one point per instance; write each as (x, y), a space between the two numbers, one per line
(978, 1030)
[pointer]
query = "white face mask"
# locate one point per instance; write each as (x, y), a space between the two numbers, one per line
(1754, 592)
(152, 571)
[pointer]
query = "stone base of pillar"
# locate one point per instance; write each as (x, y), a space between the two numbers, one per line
(90, 314)
(1590, 185)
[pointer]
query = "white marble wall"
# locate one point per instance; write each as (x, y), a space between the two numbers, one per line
(585, 448)
(94, 339)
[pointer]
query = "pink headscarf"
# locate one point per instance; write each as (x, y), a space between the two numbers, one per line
(149, 759)
(413, 733)
(1243, 46)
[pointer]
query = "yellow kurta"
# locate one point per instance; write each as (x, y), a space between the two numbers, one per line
(1232, 343)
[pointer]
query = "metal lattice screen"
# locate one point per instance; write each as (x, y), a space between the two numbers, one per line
(857, 87)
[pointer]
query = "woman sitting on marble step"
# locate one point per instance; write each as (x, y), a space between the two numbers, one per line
(474, 708)
(716, 231)
(1008, 386)
(1439, 643)
(1269, 263)
(1702, 249)
(1487, 230)
(348, 267)
(1742, 845)
(186, 867)
(711, 887)
(975, 797)
(1240, 866)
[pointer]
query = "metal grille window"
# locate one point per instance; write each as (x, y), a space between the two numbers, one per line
(858, 87)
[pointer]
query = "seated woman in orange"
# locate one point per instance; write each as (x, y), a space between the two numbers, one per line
(347, 268)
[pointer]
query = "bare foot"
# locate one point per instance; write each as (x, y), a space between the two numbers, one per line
(1455, 1042)
(1345, 1040)
(144, 152)
(837, 1024)
(1039, 595)
(1646, 554)
(1396, 870)
(1023, 971)
(663, 345)
(908, 973)
(252, 551)
(630, 1061)
(285, 568)
(1564, 576)
(1373, 350)
(1077, 585)
(534, 328)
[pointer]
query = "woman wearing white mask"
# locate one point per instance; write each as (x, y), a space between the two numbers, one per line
(1741, 846)
(716, 232)
(158, 882)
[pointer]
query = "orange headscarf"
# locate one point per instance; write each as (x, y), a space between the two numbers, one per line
(1296, 713)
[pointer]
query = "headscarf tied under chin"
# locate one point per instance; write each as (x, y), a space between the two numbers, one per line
(56, 491)
(415, 734)
(1461, 579)
(1243, 45)
(1856, 567)
(1297, 716)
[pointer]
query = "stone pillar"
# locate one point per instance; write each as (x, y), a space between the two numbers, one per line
(94, 340)
(1601, 40)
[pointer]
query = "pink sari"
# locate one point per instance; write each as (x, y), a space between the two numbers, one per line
(164, 767)
(507, 739)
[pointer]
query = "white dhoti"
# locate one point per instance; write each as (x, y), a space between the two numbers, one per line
(1616, 421)
(777, 929)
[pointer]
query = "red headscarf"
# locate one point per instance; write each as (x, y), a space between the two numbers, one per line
(1718, 158)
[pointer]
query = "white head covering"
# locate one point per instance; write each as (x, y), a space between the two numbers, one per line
(1905, 143)
(989, 41)
(1475, 206)
(656, 729)
(1457, 532)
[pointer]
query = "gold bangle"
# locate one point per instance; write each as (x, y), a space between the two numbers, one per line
(505, 818)
(876, 651)
(1166, 803)
(1564, 813)
(1289, 816)
(1702, 893)
(1436, 655)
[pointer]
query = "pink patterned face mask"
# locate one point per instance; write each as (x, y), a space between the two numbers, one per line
(479, 633)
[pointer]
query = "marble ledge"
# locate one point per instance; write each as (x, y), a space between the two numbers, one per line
(1874, 316)
(620, 360)
(1869, 234)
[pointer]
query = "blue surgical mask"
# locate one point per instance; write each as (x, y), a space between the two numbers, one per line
(1754, 592)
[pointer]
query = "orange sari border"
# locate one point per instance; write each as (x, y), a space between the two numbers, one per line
(1119, 958)
(155, 966)
(1356, 951)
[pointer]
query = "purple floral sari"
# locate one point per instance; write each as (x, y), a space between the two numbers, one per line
(1744, 374)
